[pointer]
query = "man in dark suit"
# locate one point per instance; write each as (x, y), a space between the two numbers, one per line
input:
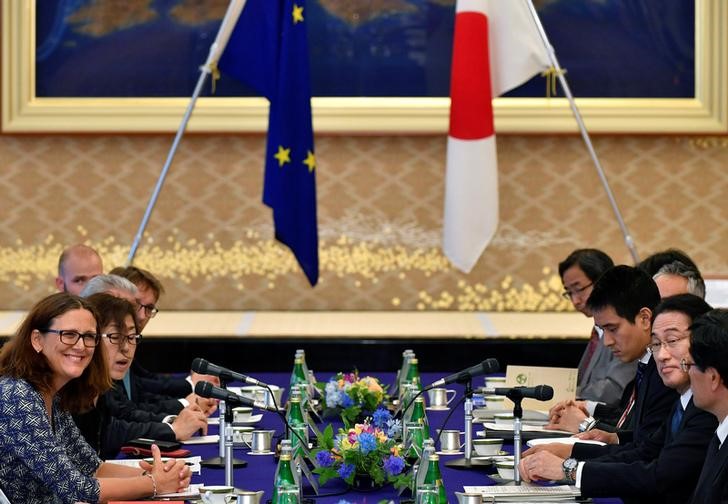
(622, 302)
(664, 467)
(708, 369)
(602, 377)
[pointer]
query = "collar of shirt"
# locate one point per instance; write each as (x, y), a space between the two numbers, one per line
(645, 359)
(685, 398)
(722, 430)
(599, 331)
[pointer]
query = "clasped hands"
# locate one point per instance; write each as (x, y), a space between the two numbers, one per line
(170, 476)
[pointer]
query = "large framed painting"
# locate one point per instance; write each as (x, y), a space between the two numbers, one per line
(650, 66)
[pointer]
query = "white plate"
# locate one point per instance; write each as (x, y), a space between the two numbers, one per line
(437, 408)
(564, 440)
(209, 439)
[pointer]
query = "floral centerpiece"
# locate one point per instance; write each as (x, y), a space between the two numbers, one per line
(367, 450)
(351, 397)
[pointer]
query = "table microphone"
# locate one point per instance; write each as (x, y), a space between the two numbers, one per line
(486, 367)
(210, 391)
(202, 366)
(539, 392)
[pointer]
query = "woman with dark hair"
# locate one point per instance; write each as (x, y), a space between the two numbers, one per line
(51, 368)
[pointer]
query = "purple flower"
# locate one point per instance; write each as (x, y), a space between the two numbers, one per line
(381, 416)
(345, 471)
(367, 442)
(324, 458)
(393, 465)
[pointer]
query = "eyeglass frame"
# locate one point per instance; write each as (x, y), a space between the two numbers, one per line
(136, 338)
(149, 309)
(568, 294)
(685, 365)
(60, 333)
(668, 344)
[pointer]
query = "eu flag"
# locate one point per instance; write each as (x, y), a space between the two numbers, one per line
(268, 50)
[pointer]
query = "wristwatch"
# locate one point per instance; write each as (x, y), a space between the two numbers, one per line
(569, 468)
(587, 424)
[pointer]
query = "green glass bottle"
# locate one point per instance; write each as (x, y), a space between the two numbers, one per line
(413, 373)
(434, 476)
(296, 421)
(419, 416)
(298, 376)
(284, 474)
(414, 441)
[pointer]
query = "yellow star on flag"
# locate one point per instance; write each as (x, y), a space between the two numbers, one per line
(283, 155)
(310, 161)
(297, 14)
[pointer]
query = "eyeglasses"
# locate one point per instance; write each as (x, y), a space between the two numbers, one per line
(149, 309)
(71, 337)
(117, 338)
(568, 294)
(685, 365)
(671, 343)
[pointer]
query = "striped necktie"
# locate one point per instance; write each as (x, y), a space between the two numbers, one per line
(641, 367)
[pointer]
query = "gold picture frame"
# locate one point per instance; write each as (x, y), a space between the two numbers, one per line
(23, 112)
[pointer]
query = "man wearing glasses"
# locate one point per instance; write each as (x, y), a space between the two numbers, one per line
(707, 365)
(661, 468)
(601, 376)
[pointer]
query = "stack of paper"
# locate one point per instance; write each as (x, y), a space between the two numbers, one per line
(525, 493)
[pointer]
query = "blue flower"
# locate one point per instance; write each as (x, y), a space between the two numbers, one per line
(324, 458)
(394, 428)
(346, 401)
(367, 442)
(381, 417)
(393, 465)
(346, 470)
(333, 398)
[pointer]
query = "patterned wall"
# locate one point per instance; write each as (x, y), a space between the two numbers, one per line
(380, 217)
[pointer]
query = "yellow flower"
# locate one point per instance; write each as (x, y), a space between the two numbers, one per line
(395, 450)
(372, 384)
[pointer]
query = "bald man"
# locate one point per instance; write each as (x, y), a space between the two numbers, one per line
(77, 265)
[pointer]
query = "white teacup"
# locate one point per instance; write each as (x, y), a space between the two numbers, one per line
(243, 435)
(487, 447)
(440, 397)
(505, 470)
(261, 394)
(242, 414)
(503, 418)
(216, 493)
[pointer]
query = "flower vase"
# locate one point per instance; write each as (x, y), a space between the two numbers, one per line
(364, 483)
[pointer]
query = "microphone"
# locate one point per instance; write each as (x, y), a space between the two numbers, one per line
(210, 391)
(539, 392)
(486, 367)
(204, 367)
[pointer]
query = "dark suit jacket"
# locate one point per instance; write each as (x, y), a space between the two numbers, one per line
(107, 434)
(712, 486)
(653, 403)
(121, 407)
(660, 469)
(157, 392)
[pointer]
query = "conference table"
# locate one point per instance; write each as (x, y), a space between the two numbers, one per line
(260, 470)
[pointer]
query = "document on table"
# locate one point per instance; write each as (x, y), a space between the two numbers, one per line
(192, 462)
(524, 428)
(525, 493)
(191, 491)
(209, 439)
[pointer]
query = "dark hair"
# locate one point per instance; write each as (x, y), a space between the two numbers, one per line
(113, 310)
(689, 304)
(709, 342)
(139, 276)
(627, 290)
(652, 264)
(592, 262)
(19, 359)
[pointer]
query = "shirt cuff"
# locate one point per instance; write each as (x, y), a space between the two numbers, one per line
(591, 406)
(189, 380)
(579, 469)
(184, 402)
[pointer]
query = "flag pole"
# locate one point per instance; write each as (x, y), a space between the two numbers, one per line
(584, 133)
(223, 35)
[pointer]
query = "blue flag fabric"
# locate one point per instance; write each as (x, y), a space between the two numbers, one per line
(268, 50)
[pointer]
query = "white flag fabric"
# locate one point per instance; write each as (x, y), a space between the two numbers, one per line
(496, 47)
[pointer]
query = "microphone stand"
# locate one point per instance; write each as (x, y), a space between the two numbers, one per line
(515, 395)
(225, 459)
(467, 462)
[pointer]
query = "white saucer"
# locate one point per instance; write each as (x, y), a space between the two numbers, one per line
(437, 408)
(449, 453)
(261, 453)
(254, 419)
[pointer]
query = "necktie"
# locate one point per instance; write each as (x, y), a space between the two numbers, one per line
(590, 349)
(677, 417)
(127, 384)
(641, 367)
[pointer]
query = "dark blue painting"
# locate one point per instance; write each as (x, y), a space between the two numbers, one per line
(153, 48)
